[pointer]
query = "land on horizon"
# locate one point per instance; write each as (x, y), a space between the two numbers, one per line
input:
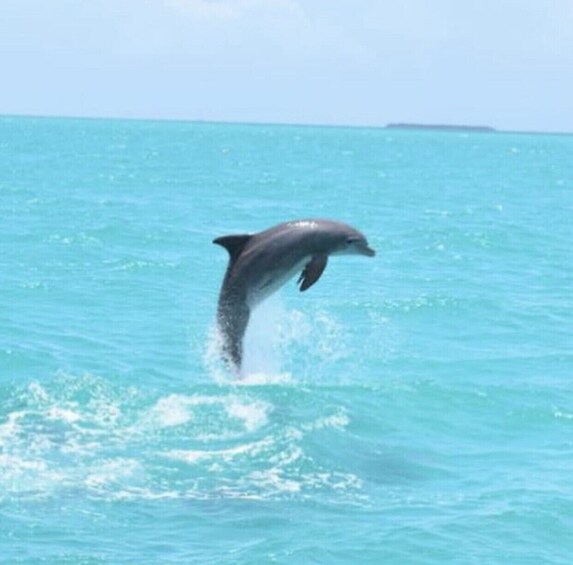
(447, 127)
(390, 125)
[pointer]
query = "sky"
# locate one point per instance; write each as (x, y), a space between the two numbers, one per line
(502, 63)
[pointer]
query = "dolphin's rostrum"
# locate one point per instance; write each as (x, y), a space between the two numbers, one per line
(261, 263)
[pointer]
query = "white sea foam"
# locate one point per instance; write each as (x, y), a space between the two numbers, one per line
(178, 409)
(192, 456)
(110, 472)
(273, 480)
(63, 414)
(253, 414)
(172, 410)
(338, 420)
(560, 414)
(13, 465)
(10, 427)
(287, 456)
(261, 379)
(28, 474)
(37, 392)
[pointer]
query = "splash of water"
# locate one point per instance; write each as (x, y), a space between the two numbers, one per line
(263, 340)
(263, 347)
(276, 337)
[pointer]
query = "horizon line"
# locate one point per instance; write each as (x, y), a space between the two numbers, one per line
(419, 126)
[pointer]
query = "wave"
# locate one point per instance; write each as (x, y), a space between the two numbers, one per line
(92, 436)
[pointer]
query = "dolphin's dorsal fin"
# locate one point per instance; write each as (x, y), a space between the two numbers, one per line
(234, 244)
(311, 273)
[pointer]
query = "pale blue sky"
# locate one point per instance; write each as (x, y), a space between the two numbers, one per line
(506, 63)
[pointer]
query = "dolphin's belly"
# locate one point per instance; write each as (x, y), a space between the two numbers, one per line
(272, 281)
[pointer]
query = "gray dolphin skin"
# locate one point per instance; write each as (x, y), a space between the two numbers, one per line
(261, 263)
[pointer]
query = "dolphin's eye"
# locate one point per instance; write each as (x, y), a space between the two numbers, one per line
(352, 240)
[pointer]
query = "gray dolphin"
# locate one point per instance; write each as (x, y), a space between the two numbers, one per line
(261, 263)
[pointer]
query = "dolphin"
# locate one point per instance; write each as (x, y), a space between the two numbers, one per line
(261, 263)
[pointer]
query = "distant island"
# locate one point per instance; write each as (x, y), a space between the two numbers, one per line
(440, 127)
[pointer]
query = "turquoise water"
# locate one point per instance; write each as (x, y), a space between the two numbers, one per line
(412, 408)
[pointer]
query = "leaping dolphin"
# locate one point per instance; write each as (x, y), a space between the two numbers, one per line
(261, 263)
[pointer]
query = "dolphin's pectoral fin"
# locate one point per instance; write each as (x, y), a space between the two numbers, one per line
(312, 271)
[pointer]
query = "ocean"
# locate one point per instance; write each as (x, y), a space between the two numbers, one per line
(415, 407)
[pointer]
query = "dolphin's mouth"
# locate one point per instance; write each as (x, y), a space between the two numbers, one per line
(368, 251)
